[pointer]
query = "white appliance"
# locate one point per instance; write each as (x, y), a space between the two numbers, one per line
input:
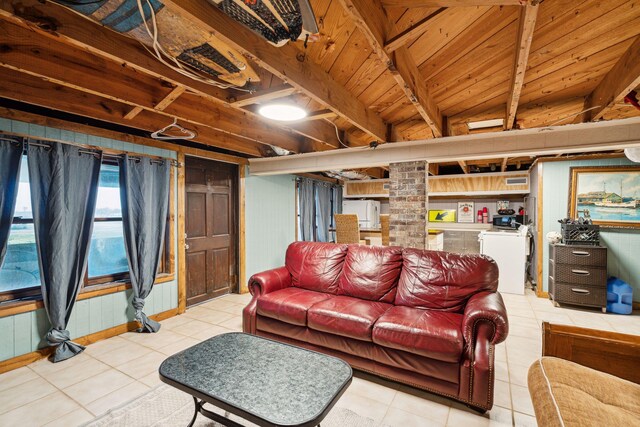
(509, 250)
(368, 212)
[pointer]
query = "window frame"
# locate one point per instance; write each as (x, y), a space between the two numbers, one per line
(116, 280)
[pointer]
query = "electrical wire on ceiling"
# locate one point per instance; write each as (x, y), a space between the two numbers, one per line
(338, 134)
(160, 53)
(372, 144)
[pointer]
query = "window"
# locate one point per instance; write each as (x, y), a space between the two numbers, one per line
(107, 255)
(20, 274)
(333, 206)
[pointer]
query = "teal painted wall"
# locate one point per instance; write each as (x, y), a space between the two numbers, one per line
(23, 333)
(269, 220)
(623, 245)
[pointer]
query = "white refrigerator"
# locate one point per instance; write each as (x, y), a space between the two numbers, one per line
(368, 212)
(509, 250)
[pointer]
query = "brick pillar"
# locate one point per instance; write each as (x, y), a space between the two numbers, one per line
(408, 204)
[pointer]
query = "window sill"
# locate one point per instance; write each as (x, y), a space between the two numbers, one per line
(16, 307)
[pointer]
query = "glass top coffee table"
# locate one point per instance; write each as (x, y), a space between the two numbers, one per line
(260, 380)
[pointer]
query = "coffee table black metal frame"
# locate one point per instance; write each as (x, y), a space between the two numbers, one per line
(200, 398)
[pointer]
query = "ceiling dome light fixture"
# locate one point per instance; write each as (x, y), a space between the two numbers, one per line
(282, 112)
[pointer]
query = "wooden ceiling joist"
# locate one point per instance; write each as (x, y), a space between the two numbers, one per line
(320, 115)
(33, 55)
(275, 92)
(171, 96)
(411, 33)
(32, 90)
(463, 166)
(373, 21)
(504, 164)
(306, 76)
(526, 25)
(58, 23)
(616, 84)
(133, 113)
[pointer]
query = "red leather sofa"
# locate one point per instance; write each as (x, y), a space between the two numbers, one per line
(425, 318)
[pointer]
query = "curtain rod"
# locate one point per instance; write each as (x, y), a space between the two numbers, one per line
(112, 156)
(9, 140)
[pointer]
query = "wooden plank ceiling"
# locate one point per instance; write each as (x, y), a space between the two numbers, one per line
(379, 70)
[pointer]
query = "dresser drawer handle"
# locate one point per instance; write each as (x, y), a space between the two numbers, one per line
(580, 272)
(581, 253)
(580, 291)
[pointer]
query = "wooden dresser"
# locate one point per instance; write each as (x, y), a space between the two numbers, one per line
(578, 275)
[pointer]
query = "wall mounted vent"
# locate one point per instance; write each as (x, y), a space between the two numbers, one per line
(520, 180)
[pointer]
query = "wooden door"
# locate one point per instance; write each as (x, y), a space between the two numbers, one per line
(211, 220)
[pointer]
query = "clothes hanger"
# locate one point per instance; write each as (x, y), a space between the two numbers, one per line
(160, 134)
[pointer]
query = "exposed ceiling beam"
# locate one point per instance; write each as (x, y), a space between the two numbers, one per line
(58, 23)
(504, 164)
(25, 52)
(319, 115)
(526, 25)
(463, 166)
(306, 76)
(617, 83)
(275, 92)
(171, 96)
(133, 112)
(32, 90)
(451, 3)
(373, 21)
(578, 138)
(396, 41)
(73, 126)
(434, 169)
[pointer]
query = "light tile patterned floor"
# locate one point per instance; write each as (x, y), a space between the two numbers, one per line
(115, 371)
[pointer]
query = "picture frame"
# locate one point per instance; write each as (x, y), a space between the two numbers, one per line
(611, 195)
(466, 212)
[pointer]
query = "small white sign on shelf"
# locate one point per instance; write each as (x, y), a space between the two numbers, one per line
(466, 212)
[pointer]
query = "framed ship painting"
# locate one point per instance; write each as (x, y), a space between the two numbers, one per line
(610, 195)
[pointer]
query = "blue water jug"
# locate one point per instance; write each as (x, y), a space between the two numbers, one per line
(619, 296)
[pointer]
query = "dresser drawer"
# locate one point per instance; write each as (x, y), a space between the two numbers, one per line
(582, 275)
(581, 255)
(581, 295)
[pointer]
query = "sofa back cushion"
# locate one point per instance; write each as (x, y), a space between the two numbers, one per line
(315, 266)
(371, 272)
(444, 281)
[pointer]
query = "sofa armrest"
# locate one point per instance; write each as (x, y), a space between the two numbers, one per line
(611, 352)
(485, 307)
(269, 281)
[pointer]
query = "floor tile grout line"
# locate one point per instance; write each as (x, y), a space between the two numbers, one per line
(63, 392)
(24, 404)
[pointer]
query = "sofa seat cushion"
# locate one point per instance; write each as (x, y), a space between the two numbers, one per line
(565, 393)
(289, 305)
(346, 316)
(433, 334)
